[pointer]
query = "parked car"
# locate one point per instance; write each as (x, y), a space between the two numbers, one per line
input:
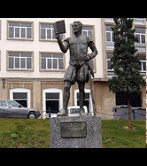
(75, 110)
(72, 111)
(12, 109)
(121, 112)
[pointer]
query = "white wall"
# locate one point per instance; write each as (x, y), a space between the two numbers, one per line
(37, 46)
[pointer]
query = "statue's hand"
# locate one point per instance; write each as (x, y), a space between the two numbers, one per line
(57, 36)
(87, 58)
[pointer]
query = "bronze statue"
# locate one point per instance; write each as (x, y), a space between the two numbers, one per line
(78, 69)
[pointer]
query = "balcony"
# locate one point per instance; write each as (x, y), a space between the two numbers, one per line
(109, 20)
(139, 21)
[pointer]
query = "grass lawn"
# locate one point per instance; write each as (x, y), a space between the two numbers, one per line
(24, 133)
(114, 135)
(27, 133)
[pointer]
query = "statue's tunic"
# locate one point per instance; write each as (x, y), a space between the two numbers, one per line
(78, 68)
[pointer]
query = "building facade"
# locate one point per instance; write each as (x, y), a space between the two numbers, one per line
(32, 66)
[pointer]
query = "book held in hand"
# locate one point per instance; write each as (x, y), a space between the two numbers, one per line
(59, 27)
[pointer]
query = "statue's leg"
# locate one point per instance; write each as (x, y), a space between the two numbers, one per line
(81, 97)
(66, 94)
(69, 79)
(82, 79)
(66, 97)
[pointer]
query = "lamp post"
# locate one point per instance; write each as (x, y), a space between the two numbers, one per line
(4, 82)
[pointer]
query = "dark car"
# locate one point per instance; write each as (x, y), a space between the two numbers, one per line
(12, 109)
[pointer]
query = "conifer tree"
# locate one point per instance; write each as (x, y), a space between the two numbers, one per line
(125, 62)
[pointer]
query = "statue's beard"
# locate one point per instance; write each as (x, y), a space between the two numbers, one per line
(77, 32)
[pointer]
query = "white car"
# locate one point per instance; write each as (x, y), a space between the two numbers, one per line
(75, 110)
(72, 111)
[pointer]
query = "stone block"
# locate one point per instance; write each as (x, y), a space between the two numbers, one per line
(75, 132)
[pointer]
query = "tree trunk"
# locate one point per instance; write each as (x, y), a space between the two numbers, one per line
(129, 112)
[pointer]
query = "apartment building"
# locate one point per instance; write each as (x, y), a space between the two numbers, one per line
(32, 66)
(141, 27)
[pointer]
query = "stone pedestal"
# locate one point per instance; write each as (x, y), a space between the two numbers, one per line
(75, 132)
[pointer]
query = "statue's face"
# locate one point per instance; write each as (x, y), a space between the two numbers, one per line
(76, 28)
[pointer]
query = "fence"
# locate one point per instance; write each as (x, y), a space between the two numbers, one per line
(121, 112)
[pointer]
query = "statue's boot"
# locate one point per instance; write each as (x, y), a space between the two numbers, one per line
(82, 112)
(63, 112)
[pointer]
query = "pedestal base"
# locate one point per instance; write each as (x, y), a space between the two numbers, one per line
(75, 132)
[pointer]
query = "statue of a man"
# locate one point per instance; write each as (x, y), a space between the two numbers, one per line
(78, 69)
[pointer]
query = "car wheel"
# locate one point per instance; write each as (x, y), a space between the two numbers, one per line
(32, 115)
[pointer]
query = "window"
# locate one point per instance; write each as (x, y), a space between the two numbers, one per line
(47, 32)
(143, 63)
(3, 103)
(109, 63)
(141, 57)
(19, 61)
(52, 102)
(109, 34)
(21, 95)
(52, 61)
(13, 104)
(135, 100)
(19, 30)
(21, 98)
(52, 99)
(88, 31)
(140, 34)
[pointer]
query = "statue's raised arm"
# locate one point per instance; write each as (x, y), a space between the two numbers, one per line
(63, 45)
(59, 28)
